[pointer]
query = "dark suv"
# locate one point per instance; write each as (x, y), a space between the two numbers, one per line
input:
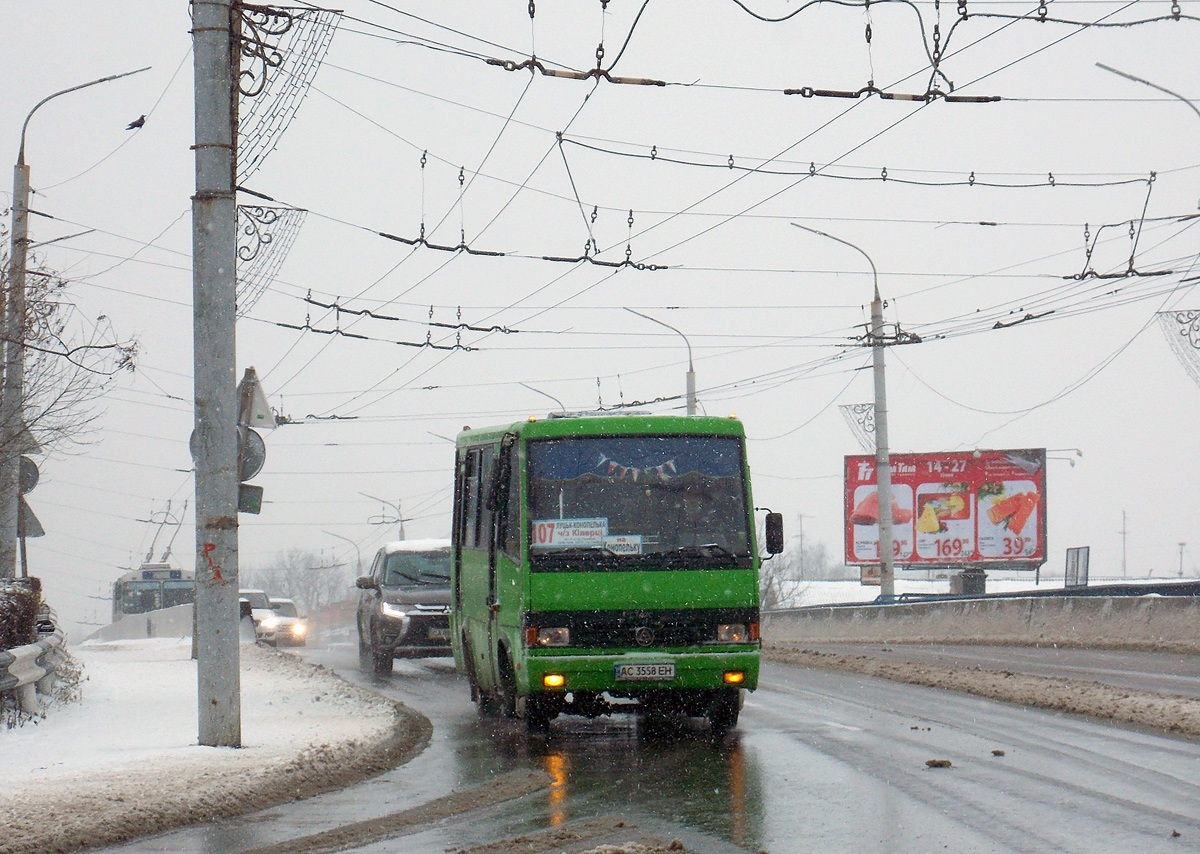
(404, 606)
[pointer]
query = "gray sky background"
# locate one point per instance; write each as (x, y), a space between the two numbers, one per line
(770, 310)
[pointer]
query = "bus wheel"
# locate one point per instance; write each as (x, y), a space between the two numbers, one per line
(508, 687)
(723, 711)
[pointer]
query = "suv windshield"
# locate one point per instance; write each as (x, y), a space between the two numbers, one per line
(668, 501)
(417, 569)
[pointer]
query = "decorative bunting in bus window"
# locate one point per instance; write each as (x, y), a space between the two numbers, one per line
(614, 469)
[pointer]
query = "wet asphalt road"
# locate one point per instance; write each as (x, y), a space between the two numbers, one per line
(821, 761)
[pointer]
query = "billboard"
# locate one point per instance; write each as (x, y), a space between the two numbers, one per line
(958, 508)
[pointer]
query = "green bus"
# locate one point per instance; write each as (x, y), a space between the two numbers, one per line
(607, 563)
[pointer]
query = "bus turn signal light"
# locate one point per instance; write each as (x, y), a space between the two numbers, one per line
(556, 680)
(734, 677)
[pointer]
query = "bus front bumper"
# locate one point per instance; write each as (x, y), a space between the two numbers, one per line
(635, 673)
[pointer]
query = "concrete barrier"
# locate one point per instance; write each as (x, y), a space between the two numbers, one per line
(173, 622)
(1143, 622)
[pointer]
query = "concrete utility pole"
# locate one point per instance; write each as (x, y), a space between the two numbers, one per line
(883, 463)
(691, 371)
(214, 439)
(14, 433)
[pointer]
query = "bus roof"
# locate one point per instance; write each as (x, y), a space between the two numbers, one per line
(605, 425)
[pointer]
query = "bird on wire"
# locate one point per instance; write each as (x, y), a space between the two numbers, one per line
(136, 123)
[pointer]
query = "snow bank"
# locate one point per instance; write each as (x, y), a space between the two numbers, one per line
(1141, 708)
(124, 762)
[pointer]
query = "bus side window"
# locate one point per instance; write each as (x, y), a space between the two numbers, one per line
(479, 488)
(510, 521)
(471, 500)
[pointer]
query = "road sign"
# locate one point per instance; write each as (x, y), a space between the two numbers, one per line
(28, 524)
(249, 498)
(252, 453)
(29, 475)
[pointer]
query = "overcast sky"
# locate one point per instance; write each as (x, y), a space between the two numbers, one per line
(968, 229)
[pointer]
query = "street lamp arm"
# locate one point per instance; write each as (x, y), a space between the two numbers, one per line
(21, 151)
(1136, 79)
(859, 250)
(669, 326)
(357, 552)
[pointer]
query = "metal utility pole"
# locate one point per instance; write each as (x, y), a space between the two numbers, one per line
(14, 435)
(691, 371)
(883, 464)
(214, 439)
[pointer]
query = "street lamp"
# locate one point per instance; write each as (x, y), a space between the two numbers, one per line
(351, 542)
(381, 519)
(883, 465)
(16, 436)
(1136, 79)
(691, 372)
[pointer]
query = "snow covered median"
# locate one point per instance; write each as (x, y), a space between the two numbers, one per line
(124, 761)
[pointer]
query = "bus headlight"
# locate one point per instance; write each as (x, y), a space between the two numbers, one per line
(554, 680)
(556, 636)
(732, 633)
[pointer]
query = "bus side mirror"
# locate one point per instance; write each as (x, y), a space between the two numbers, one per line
(774, 533)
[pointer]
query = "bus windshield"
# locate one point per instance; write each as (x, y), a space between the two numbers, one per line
(619, 500)
(418, 569)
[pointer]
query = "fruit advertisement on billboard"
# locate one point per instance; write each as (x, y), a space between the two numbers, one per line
(952, 509)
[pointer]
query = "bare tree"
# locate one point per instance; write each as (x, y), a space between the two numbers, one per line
(70, 361)
(782, 579)
(301, 576)
(66, 361)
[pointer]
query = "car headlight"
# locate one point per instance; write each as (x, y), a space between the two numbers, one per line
(732, 633)
(270, 622)
(390, 610)
(298, 629)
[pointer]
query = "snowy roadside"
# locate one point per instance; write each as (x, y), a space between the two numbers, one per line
(1180, 715)
(124, 762)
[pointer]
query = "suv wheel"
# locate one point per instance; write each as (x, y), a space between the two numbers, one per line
(365, 663)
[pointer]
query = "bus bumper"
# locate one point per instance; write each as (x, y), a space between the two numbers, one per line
(644, 673)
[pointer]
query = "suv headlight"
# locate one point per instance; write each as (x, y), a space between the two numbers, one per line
(390, 610)
(270, 622)
(732, 633)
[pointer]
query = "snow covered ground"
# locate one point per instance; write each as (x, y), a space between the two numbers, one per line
(125, 761)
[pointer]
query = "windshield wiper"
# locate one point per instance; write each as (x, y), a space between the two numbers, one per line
(416, 580)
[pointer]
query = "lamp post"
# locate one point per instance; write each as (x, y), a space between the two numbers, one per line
(351, 542)
(883, 465)
(691, 372)
(16, 436)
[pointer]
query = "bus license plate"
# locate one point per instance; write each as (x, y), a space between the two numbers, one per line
(632, 672)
